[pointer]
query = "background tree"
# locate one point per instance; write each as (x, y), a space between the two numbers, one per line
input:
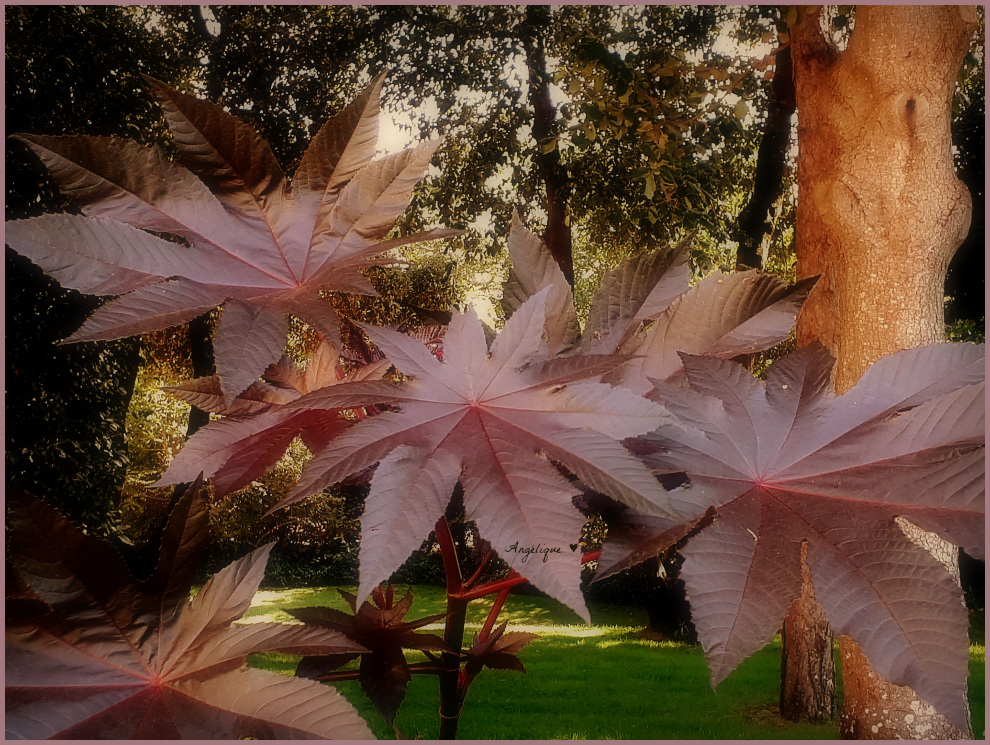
(69, 69)
(880, 214)
(965, 286)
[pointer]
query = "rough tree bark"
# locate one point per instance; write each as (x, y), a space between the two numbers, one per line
(880, 213)
(807, 667)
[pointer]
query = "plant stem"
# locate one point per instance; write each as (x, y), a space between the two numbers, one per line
(340, 675)
(448, 552)
(453, 635)
(493, 614)
(477, 572)
(425, 668)
(490, 588)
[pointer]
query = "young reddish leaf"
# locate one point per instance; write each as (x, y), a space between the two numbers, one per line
(254, 245)
(260, 425)
(497, 651)
(379, 628)
(788, 462)
(113, 657)
(490, 418)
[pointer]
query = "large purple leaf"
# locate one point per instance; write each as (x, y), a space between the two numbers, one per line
(645, 310)
(409, 493)
(112, 177)
(250, 242)
(635, 537)
(788, 462)
(343, 146)
(492, 417)
(117, 658)
(249, 338)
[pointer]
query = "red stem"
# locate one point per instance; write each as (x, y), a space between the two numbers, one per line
(340, 675)
(493, 614)
(453, 635)
(425, 668)
(490, 588)
(479, 570)
(512, 580)
(451, 567)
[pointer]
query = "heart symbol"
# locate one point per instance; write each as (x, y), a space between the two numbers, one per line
(574, 546)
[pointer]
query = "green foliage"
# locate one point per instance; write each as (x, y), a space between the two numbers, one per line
(964, 283)
(659, 111)
(68, 68)
(315, 540)
(966, 329)
(156, 429)
(461, 70)
(408, 296)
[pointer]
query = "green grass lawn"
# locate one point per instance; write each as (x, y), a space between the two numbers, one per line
(590, 682)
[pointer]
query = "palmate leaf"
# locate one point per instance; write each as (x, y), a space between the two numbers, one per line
(788, 462)
(639, 289)
(258, 427)
(253, 244)
(645, 310)
(724, 315)
(114, 658)
(489, 419)
(379, 627)
(533, 269)
(497, 651)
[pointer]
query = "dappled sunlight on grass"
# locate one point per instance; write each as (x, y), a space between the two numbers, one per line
(278, 598)
(644, 643)
(520, 611)
(576, 632)
(585, 682)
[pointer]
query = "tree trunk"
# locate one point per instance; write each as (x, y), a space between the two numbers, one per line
(545, 130)
(807, 668)
(880, 213)
(771, 162)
